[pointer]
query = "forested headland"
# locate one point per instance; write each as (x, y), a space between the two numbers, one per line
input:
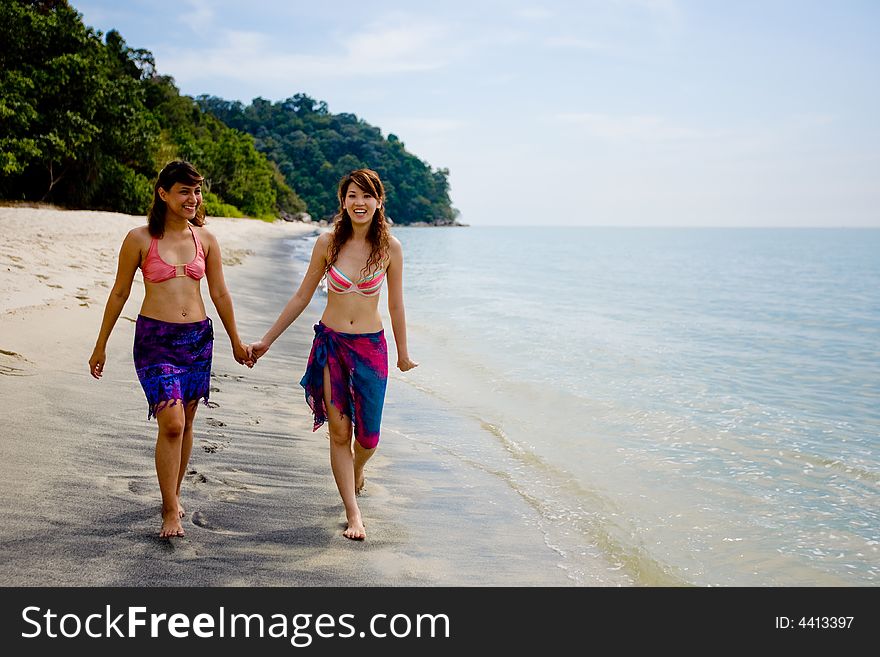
(86, 121)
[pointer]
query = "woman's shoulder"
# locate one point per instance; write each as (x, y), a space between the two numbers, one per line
(321, 249)
(202, 231)
(206, 237)
(136, 244)
(323, 242)
(139, 235)
(394, 245)
(395, 252)
(139, 232)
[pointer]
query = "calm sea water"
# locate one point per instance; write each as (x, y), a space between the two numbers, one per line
(675, 406)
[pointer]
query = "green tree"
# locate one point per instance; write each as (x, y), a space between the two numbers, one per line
(70, 115)
(314, 148)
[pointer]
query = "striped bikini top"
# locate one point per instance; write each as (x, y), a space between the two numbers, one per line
(369, 286)
(156, 270)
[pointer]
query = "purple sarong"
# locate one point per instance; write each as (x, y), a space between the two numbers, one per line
(173, 361)
(358, 364)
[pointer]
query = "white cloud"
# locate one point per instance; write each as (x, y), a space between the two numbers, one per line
(404, 47)
(256, 60)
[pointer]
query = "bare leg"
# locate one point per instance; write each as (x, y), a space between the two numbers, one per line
(342, 464)
(361, 456)
(169, 442)
(186, 449)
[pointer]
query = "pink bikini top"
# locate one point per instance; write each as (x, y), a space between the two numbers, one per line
(369, 286)
(157, 270)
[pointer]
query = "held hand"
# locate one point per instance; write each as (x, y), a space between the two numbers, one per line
(242, 355)
(405, 364)
(96, 363)
(258, 349)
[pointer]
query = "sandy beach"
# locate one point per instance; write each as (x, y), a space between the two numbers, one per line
(76, 455)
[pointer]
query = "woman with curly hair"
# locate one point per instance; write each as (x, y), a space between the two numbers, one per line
(347, 370)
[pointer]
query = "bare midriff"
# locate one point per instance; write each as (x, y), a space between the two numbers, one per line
(352, 313)
(177, 300)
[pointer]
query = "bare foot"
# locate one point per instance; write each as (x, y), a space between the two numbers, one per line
(359, 482)
(180, 510)
(355, 530)
(171, 525)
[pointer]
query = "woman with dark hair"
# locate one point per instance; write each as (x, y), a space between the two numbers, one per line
(174, 337)
(348, 366)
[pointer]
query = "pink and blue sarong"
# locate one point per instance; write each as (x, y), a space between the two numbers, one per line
(358, 364)
(173, 361)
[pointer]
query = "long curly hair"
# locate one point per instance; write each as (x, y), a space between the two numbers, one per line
(177, 171)
(377, 234)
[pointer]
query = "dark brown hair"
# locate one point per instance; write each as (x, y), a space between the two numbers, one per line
(377, 234)
(177, 171)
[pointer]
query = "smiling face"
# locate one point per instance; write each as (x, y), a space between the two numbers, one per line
(182, 200)
(360, 204)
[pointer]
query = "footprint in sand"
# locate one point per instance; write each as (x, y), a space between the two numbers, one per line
(196, 477)
(199, 519)
(140, 487)
(215, 423)
(212, 446)
(237, 377)
(126, 485)
(178, 545)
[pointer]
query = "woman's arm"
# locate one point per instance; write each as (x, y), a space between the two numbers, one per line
(221, 297)
(129, 259)
(300, 299)
(394, 272)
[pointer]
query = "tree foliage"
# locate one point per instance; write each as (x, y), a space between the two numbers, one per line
(314, 148)
(72, 122)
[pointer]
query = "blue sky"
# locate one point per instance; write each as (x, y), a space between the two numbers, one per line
(590, 112)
